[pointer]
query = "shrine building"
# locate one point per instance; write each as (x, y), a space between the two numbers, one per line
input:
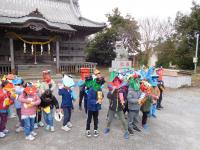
(40, 33)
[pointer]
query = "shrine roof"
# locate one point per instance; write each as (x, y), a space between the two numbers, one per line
(61, 14)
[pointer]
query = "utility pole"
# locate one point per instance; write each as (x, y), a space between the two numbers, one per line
(195, 59)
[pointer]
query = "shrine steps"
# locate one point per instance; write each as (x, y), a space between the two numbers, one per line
(34, 72)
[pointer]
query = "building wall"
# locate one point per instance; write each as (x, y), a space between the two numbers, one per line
(72, 50)
(4, 50)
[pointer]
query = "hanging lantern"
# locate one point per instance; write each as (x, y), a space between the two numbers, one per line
(24, 48)
(32, 50)
(41, 50)
(49, 49)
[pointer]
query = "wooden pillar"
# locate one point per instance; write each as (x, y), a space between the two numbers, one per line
(12, 56)
(57, 57)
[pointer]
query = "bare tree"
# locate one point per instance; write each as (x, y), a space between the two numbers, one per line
(152, 30)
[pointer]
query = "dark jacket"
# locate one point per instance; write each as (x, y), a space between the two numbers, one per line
(92, 104)
(147, 104)
(48, 100)
(115, 103)
(66, 98)
(161, 85)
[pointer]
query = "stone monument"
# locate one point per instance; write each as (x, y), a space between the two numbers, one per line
(121, 61)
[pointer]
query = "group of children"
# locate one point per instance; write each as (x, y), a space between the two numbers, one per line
(130, 91)
(31, 100)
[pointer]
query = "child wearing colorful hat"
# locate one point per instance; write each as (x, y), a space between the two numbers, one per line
(117, 103)
(29, 100)
(134, 94)
(68, 97)
(6, 101)
(94, 101)
(156, 92)
(146, 102)
(48, 101)
(19, 89)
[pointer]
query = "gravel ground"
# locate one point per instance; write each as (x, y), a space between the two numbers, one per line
(176, 128)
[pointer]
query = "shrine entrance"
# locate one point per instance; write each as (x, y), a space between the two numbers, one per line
(33, 51)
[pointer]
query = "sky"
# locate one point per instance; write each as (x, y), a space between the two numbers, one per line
(139, 9)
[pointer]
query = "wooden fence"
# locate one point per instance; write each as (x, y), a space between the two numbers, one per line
(75, 67)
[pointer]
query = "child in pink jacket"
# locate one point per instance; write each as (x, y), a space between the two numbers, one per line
(30, 101)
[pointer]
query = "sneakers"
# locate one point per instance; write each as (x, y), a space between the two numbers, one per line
(136, 128)
(30, 137)
(33, 133)
(154, 116)
(96, 133)
(52, 129)
(126, 135)
(41, 124)
(106, 130)
(2, 135)
(69, 124)
(130, 131)
(47, 127)
(88, 134)
(5, 131)
(19, 129)
(35, 126)
(66, 128)
(145, 126)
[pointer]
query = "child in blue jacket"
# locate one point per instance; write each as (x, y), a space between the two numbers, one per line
(94, 101)
(67, 101)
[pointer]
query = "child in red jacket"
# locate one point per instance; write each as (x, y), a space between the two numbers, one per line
(29, 101)
(5, 102)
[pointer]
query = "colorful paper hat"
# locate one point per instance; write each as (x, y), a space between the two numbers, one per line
(30, 90)
(17, 81)
(150, 72)
(113, 75)
(134, 84)
(145, 86)
(67, 81)
(9, 86)
(154, 79)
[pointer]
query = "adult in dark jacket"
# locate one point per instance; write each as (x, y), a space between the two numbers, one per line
(48, 101)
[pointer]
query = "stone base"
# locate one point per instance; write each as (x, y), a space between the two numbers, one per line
(177, 81)
(120, 64)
